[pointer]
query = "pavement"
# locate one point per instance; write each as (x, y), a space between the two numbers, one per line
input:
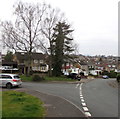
(55, 106)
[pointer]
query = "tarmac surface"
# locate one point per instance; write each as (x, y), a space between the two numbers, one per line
(56, 106)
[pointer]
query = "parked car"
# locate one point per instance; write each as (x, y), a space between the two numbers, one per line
(105, 77)
(10, 80)
(74, 76)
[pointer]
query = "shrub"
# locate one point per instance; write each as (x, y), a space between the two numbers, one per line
(37, 78)
(118, 78)
(112, 74)
(105, 73)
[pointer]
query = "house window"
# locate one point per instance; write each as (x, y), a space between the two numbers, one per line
(43, 68)
(67, 64)
(41, 61)
(113, 66)
(34, 68)
(35, 61)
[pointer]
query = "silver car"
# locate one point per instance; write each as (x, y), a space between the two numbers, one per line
(10, 80)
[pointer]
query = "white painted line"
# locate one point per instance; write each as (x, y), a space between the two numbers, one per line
(80, 92)
(88, 114)
(85, 109)
(81, 97)
(84, 104)
(81, 84)
(82, 100)
(77, 85)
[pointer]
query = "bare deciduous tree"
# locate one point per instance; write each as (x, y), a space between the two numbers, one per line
(32, 30)
(25, 34)
(53, 16)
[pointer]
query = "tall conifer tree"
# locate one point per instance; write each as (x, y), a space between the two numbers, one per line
(63, 46)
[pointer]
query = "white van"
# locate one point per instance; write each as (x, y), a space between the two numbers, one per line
(10, 80)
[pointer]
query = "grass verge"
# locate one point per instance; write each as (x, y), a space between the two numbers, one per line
(58, 79)
(26, 78)
(47, 78)
(20, 104)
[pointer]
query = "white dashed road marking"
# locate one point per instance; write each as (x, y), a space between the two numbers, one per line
(77, 85)
(88, 114)
(84, 106)
(85, 109)
(82, 100)
(81, 97)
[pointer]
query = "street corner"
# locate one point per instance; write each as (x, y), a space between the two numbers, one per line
(113, 83)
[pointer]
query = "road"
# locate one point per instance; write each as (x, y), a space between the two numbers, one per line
(96, 98)
(101, 99)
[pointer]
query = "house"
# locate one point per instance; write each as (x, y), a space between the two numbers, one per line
(84, 68)
(69, 67)
(38, 62)
(118, 64)
(75, 65)
(9, 67)
(0, 62)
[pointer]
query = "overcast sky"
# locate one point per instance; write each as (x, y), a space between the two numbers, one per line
(95, 22)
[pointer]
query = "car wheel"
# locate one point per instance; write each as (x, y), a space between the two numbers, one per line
(9, 85)
(79, 79)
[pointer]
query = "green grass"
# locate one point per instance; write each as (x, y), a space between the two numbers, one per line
(47, 78)
(26, 78)
(58, 79)
(20, 104)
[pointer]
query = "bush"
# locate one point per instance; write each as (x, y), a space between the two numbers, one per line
(118, 78)
(105, 73)
(112, 74)
(37, 78)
